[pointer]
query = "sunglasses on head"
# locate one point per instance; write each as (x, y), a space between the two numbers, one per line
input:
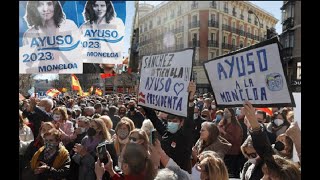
(252, 155)
(133, 139)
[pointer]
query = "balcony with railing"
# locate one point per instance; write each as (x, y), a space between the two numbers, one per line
(194, 5)
(249, 35)
(194, 24)
(287, 52)
(179, 30)
(240, 32)
(212, 43)
(179, 46)
(233, 30)
(249, 20)
(213, 5)
(195, 43)
(212, 23)
(226, 27)
(242, 16)
(226, 46)
(226, 10)
(234, 13)
(288, 23)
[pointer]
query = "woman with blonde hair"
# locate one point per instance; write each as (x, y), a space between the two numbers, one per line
(123, 128)
(85, 153)
(212, 167)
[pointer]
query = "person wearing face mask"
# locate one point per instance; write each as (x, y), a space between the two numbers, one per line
(51, 161)
(278, 124)
(231, 130)
(205, 115)
(85, 153)
(134, 114)
(219, 115)
(283, 146)
(252, 169)
(122, 130)
(178, 134)
(38, 113)
(65, 126)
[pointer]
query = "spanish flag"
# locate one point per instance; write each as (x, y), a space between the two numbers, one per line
(75, 83)
(267, 110)
(98, 92)
(53, 92)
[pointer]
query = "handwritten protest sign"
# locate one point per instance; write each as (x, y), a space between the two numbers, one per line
(164, 81)
(254, 73)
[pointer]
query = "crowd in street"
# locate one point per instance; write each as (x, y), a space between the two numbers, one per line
(111, 137)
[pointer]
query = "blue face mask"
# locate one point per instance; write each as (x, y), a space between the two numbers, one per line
(218, 117)
(173, 127)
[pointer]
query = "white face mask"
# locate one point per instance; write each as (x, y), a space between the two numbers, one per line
(42, 108)
(213, 106)
(82, 130)
(56, 117)
(278, 122)
(253, 160)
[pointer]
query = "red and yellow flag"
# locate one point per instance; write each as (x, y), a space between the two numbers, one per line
(75, 83)
(53, 92)
(98, 92)
(267, 110)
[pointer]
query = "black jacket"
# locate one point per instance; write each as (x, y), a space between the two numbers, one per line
(36, 118)
(177, 146)
(256, 173)
(137, 118)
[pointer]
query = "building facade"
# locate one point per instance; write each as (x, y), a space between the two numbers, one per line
(291, 42)
(213, 28)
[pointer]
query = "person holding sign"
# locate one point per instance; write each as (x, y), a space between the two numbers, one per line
(177, 135)
(274, 166)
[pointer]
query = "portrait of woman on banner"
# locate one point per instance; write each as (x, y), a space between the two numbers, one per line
(49, 31)
(101, 33)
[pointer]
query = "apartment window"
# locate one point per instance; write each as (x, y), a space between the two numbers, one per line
(234, 24)
(213, 36)
(194, 18)
(150, 25)
(225, 21)
(225, 40)
(213, 17)
(291, 43)
(241, 44)
(225, 5)
(212, 55)
(298, 70)
(234, 13)
(249, 30)
(159, 21)
(233, 41)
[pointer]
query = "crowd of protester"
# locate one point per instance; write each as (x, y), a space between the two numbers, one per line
(110, 137)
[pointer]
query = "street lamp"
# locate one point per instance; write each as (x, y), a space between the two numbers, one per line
(251, 12)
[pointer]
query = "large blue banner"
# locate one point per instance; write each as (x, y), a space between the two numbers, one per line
(59, 36)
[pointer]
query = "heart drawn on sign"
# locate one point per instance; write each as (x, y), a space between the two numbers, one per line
(178, 88)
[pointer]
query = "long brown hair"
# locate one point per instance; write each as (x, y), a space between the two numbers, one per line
(104, 130)
(213, 135)
(215, 167)
(138, 161)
